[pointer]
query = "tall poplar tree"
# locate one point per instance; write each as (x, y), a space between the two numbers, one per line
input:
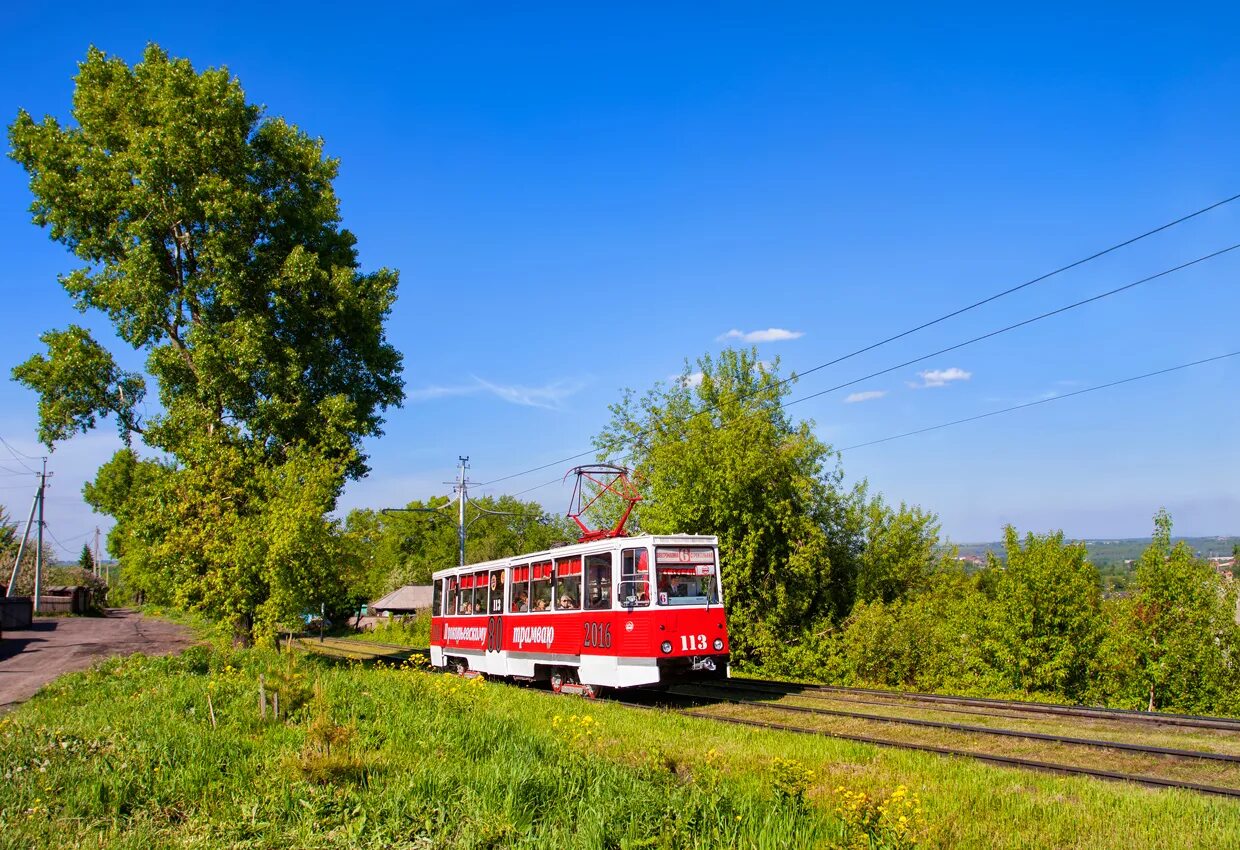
(208, 234)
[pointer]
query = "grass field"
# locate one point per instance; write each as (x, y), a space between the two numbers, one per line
(173, 752)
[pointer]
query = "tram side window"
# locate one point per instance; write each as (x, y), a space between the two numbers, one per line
(497, 592)
(540, 586)
(567, 584)
(520, 589)
(467, 596)
(480, 593)
(452, 601)
(598, 581)
(634, 577)
(437, 599)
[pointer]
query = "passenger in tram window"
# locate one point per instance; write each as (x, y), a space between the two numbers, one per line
(521, 604)
(540, 605)
(567, 604)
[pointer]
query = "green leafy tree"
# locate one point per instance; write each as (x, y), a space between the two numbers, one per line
(722, 457)
(1044, 623)
(1174, 644)
(931, 640)
(900, 552)
(209, 236)
(8, 533)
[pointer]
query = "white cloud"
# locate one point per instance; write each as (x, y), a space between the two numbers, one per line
(549, 396)
(768, 335)
(867, 395)
(941, 377)
(693, 379)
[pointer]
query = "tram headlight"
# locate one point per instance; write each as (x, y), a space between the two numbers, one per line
(718, 644)
(666, 646)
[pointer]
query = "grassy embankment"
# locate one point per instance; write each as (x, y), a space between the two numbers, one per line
(410, 631)
(127, 755)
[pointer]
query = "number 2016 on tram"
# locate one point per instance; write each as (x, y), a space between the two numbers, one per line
(614, 613)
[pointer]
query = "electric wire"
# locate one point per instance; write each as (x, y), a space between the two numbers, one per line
(1012, 327)
(17, 456)
(1100, 296)
(1040, 401)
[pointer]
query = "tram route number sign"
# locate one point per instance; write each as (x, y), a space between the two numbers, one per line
(598, 635)
(495, 634)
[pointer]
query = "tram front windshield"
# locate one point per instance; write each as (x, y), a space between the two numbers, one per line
(686, 575)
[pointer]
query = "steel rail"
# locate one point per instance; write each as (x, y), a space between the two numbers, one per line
(981, 730)
(1009, 761)
(862, 700)
(1095, 712)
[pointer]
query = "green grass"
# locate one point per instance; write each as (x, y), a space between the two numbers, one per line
(125, 755)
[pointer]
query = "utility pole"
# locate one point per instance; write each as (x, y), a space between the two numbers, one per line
(98, 565)
(38, 553)
(461, 489)
(21, 548)
(36, 507)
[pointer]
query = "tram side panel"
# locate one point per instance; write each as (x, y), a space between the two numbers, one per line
(609, 648)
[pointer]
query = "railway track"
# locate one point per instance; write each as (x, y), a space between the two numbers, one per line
(692, 708)
(691, 705)
(974, 729)
(1227, 724)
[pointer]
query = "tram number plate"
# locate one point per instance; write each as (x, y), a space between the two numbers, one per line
(495, 634)
(598, 635)
(693, 643)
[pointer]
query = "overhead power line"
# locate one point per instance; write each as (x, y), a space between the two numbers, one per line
(1024, 285)
(997, 332)
(17, 456)
(938, 320)
(1041, 401)
(1013, 327)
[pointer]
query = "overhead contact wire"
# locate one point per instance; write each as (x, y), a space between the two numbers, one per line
(1028, 404)
(941, 351)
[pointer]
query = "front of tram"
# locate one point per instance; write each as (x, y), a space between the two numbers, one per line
(692, 624)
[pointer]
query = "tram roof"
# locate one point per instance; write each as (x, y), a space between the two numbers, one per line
(603, 545)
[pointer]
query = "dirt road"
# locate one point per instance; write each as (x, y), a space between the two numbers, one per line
(30, 658)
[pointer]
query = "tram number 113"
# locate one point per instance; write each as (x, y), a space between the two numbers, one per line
(693, 643)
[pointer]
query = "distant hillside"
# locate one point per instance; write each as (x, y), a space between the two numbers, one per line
(1105, 553)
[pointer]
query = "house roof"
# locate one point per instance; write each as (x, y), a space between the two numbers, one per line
(408, 598)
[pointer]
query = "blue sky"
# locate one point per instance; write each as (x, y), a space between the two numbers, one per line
(672, 173)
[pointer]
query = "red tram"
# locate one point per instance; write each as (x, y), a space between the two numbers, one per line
(611, 612)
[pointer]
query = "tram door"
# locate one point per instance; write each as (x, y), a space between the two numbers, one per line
(495, 624)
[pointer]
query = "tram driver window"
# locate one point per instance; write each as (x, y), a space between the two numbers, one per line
(634, 578)
(567, 584)
(686, 575)
(437, 599)
(540, 586)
